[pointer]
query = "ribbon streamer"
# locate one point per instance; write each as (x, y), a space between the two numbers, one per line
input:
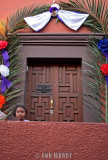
(5, 83)
(72, 19)
(5, 58)
(106, 54)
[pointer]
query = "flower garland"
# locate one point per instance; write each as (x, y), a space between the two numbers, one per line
(4, 70)
(2, 101)
(104, 69)
(103, 46)
(3, 44)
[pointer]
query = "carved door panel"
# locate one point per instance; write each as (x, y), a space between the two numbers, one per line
(69, 93)
(54, 91)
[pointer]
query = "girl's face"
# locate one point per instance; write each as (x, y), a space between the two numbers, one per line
(20, 113)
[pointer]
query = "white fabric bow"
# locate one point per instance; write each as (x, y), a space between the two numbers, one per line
(72, 19)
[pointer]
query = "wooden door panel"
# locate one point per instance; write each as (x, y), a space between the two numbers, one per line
(68, 109)
(42, 109)
(64, 79)
(39, 105)
(68, 92)
(39, 110)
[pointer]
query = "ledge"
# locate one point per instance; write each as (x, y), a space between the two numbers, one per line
(57, 39)
(31, 140)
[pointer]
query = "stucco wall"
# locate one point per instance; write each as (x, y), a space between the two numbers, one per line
(31, 140)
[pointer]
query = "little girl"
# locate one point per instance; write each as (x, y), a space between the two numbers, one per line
(20, 112)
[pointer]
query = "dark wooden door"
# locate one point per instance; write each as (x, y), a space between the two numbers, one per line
(54, 91)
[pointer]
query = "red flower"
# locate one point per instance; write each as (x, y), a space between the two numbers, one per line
(104, 69)
(3, 44)
(2, 100)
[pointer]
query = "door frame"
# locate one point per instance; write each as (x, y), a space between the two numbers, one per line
(34, 45)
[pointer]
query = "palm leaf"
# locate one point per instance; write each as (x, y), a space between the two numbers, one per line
(15, 68)
(95, 82)
(98, 13)
(2, 30)
(16, 21)
(8, 31)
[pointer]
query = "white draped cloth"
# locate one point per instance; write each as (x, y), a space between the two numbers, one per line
(70, 18)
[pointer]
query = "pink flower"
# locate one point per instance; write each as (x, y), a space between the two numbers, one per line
(3, 44)
(104, 69)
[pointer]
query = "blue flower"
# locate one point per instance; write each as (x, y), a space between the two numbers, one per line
(52, 9)
(103, 45)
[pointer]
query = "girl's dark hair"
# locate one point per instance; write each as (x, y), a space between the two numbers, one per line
(19, 106)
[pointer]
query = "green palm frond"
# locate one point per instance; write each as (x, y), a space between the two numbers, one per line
(2, 30)
(98, 13)
(14, 92)
(8, 32)
(95, 82)
(16, 21)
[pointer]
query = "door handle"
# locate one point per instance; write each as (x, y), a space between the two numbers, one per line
(51, 103)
